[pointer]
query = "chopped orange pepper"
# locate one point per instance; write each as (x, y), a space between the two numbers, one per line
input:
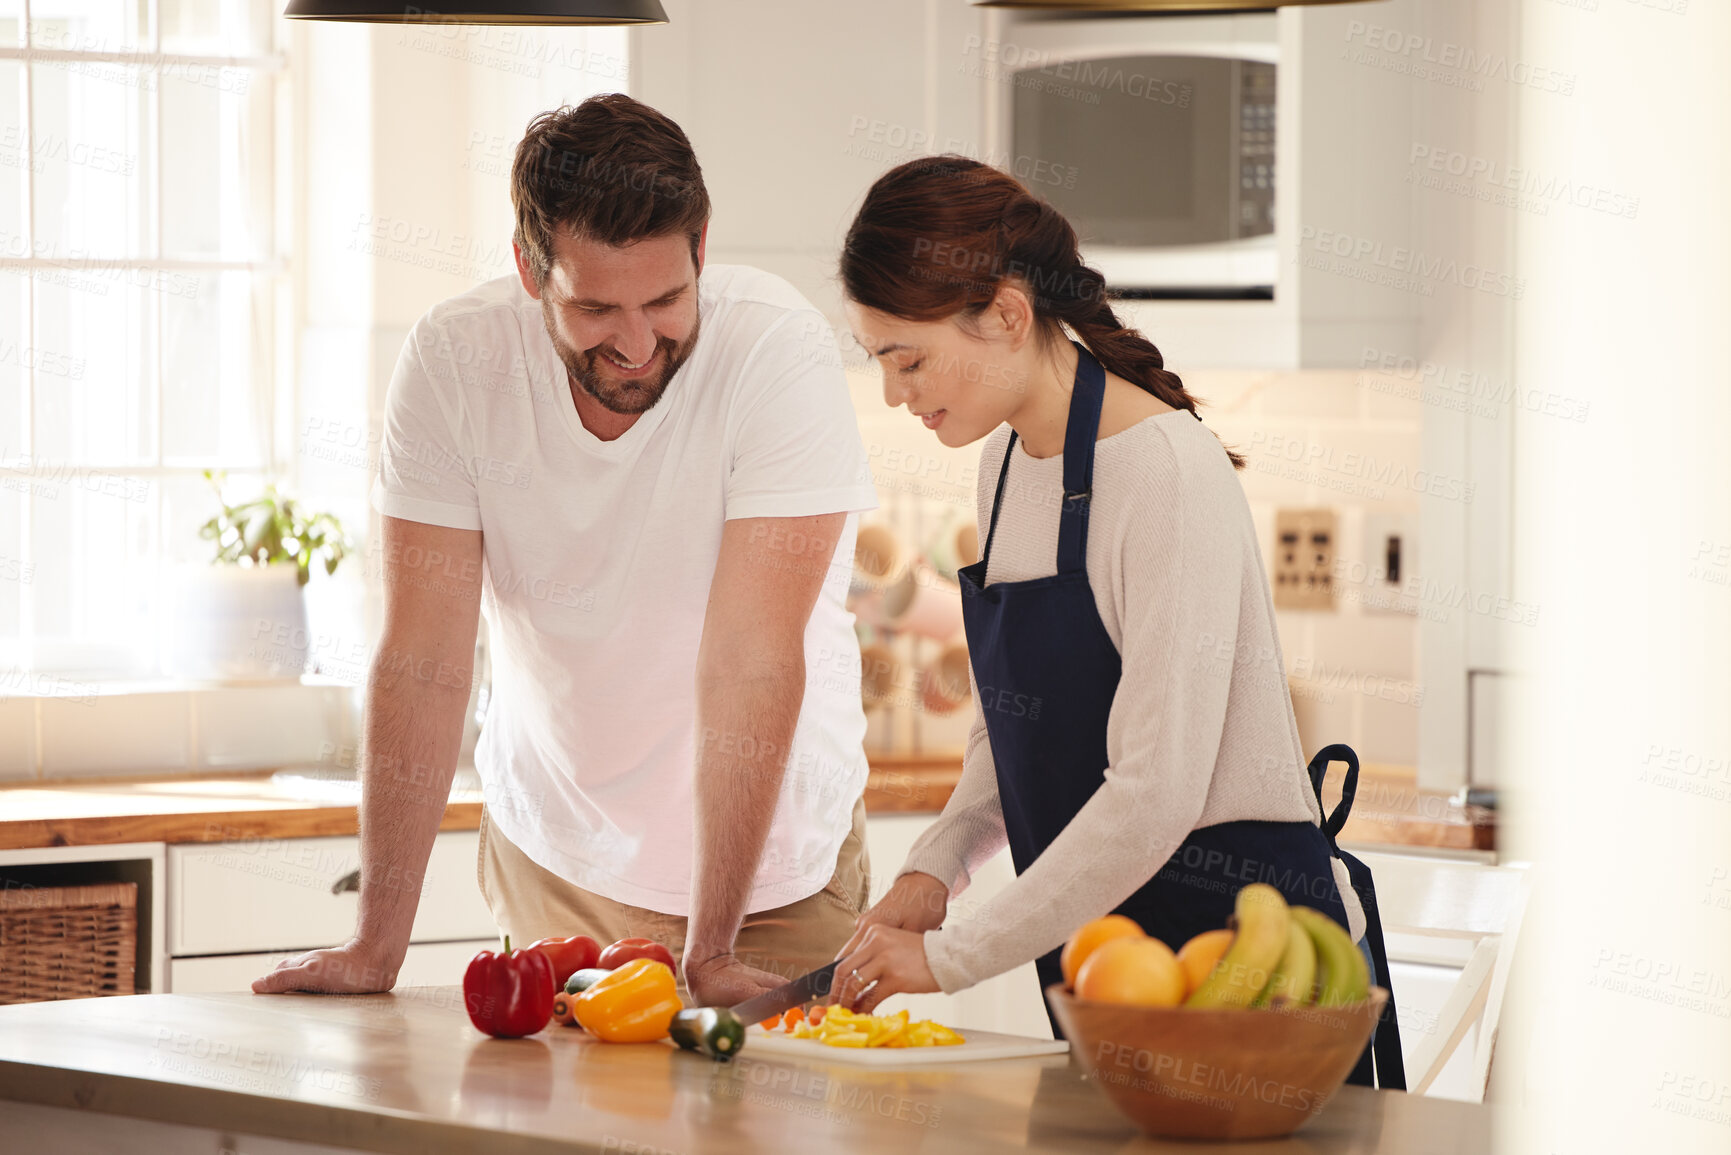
(815, 1017)
(634, 1004)
(771, 1023)
(792, 1019)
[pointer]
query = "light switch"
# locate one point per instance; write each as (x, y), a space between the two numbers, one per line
(1383, 581)
(1304, 552)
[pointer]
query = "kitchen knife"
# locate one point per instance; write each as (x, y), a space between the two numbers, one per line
(802, 990)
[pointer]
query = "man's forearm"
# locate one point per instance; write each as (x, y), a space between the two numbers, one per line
(412, 733)
(745, 728)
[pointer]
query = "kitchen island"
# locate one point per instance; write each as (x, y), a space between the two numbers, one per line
(407, 1072)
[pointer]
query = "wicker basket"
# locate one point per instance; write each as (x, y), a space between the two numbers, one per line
(67, 942)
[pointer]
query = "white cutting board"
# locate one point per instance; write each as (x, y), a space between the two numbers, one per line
(980, 1045)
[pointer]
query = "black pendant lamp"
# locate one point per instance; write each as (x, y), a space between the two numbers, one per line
(580, 13)
(1154, 7)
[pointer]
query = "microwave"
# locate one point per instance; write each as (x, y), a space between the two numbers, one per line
(1155, 136)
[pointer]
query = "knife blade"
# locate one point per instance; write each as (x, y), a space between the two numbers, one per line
(815, 985)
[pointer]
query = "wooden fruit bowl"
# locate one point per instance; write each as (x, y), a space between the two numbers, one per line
(1180, 1073)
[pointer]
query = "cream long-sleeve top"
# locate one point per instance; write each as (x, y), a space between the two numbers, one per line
(1201, 729)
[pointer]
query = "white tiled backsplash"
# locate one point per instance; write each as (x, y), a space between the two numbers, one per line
(209, 730)
(1350, 442)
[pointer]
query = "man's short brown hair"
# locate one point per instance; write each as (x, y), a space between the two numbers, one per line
(613, 170)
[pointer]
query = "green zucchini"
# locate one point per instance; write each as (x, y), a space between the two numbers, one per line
(582, 980)
(713, 1031)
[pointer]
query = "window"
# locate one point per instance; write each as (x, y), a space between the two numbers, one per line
(142, 278)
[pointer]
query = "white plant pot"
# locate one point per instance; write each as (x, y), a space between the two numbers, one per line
(234, 622)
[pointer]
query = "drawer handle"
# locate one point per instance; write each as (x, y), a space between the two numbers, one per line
(349, 881)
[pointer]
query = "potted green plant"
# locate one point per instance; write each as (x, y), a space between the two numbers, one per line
(245, 615)
(272, 530)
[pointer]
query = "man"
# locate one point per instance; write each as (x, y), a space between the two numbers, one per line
(647, 472)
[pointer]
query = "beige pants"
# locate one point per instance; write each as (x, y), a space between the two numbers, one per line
(530, 902)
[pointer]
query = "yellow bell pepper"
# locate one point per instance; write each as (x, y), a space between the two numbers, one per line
(844, 1028)
(848, 1039)
(634, 1004)
(884, 1028)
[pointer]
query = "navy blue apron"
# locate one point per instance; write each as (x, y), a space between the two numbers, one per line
(1047, 672)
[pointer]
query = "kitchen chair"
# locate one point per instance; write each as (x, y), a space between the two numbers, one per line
(1476, 906)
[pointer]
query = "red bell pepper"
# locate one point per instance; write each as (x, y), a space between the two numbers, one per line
(509, 994)
(568, 955)
(627, 949)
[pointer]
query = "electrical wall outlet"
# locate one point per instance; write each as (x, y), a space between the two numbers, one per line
(1304, 550)
(1383, 580)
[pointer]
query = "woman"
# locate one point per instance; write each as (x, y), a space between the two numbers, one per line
(1134, 743)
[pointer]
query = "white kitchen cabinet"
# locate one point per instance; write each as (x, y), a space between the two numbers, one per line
(1011, 1002)
(930, 76)
(287, 894)
(431, 964)
(877, 84)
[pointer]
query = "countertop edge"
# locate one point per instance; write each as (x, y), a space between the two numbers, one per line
(379, 1129)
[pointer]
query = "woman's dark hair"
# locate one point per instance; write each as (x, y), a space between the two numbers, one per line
(938, 236)
(611, 169)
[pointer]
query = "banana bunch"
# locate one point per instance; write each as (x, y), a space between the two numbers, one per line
(1283, 955)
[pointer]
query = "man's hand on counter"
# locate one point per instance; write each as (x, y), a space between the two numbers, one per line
(722, 980)
(351, 969)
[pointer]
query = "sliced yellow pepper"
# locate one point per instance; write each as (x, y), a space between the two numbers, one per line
(884, 1028)
(848, 1039)
(844, 1028)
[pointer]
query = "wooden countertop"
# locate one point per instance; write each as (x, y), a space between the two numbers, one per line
(406, 1072)
(1389, 808)
(205, 808)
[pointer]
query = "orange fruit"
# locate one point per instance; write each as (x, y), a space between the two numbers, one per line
(1141, 972)
(1088, 938)
(1200, 955)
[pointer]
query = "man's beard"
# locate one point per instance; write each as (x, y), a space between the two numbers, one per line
(627, 397)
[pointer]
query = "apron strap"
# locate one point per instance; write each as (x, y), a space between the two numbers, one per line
(1385, 1047)
(997, 500)
(1384, 1052)
(1339, 752)
(1080, 434)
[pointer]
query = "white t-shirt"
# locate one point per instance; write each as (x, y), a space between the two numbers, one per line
(598, 562)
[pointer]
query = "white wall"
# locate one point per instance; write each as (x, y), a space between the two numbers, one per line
(404, 150)
(1621, 1031)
